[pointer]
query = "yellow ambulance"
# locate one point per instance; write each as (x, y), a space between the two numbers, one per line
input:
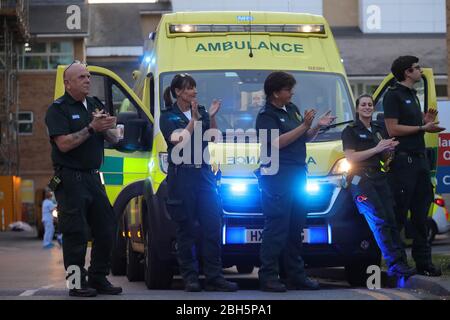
(230, 54)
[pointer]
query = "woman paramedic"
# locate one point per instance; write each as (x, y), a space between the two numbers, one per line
(193, 201)
(282, 206)
(367, 147)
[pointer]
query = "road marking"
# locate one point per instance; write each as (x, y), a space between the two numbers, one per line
(373, 294)
(29, 293)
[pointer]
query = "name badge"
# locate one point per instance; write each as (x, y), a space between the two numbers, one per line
(364, 136)
(408, 101)
(282, 120)
(75, 116)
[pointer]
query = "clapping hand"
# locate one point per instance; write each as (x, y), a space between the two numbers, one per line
(430, 116)
(215, 107)
(326, 119)
(194, 110)
(309, 117)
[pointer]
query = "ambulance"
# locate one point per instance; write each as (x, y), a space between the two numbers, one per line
(230, 54)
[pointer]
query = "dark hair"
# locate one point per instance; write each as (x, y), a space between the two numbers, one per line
(180, 81)
(358, 100)
(277, 81)
(401, 64)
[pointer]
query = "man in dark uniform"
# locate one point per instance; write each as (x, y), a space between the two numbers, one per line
(77, 126)
(409, 176)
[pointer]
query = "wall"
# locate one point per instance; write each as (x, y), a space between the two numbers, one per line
(342, 13)
(36, 94)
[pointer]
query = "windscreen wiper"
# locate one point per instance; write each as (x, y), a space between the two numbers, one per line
(334, 125)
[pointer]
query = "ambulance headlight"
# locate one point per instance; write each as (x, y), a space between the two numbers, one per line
(164, 161)
(238, 188)
(340, 167)
(312, 187)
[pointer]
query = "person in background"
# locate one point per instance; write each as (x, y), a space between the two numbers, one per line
(47, 220)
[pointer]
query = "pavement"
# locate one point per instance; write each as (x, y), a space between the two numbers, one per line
(27, 282)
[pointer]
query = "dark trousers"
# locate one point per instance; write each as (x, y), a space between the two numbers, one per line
(282, 195)
(374, 200)
(194, 205)
(409, 179)
(83, 205)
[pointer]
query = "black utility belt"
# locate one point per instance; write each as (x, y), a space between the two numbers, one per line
(189, 166)
(410, 154)
(90, 171)
(367, 170)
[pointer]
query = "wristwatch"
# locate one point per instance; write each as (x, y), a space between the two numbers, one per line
(90, 130)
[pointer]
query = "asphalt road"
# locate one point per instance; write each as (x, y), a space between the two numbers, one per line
(30, 272)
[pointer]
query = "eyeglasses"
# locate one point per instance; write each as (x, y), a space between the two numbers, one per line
(183, 75)
(74, 62)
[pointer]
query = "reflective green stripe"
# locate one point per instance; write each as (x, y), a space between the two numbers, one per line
(112, 164)
(113, 179)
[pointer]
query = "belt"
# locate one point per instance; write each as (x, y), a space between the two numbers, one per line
(90, 171)
(189, 166)
(411, 154)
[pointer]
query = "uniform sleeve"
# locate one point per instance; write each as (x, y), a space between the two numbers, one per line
(348, 139)
(56, 121)
(266, 122)
(167, 125)
(391, 105)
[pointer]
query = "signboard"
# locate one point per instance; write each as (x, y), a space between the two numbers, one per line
(443, 170)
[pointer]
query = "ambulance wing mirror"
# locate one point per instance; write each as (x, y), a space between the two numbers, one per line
(137, 133)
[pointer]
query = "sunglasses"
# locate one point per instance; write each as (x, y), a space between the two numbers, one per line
(74, 62)
(182, 75)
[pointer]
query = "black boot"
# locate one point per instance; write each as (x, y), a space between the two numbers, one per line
(103, 286)
(303, 284)
(192, 285)
(401, 269)
(429, 270)
(220, 284)
(273, 286)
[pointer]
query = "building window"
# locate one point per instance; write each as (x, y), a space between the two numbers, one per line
(25, 122)
(45, 55)
(441, 91)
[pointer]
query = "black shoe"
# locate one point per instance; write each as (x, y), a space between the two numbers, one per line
(401, 269)
(221, 284)
(429, 270)
(83, 292)
(273, 286)
(192, 286)
(103, 286)
(304, 284)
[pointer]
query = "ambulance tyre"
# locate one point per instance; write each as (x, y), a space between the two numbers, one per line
(244, 268)
(135, 269)
(118, 258)
(356, 272)
(157, 272)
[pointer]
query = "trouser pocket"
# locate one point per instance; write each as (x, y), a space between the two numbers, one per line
(176, 210)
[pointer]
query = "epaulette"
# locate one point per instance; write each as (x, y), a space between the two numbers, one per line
(262, 110)
(59, 100)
